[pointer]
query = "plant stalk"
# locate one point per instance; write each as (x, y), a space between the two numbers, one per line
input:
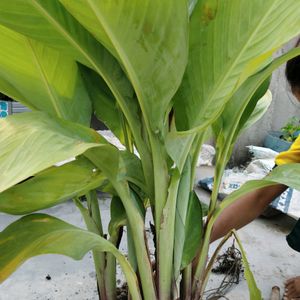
(200, 267)
(166, 239)
(99, 257)
(136, 223)
(186, 283)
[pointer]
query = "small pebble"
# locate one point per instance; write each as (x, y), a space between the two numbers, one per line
(48, 277)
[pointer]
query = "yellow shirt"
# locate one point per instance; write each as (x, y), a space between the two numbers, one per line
(290, 156)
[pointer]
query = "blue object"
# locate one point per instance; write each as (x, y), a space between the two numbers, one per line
(4, 111)
(274, 142)
(3, 114)
(206, 183)
(3, 105)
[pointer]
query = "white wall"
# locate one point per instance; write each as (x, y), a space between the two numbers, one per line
(283, 107)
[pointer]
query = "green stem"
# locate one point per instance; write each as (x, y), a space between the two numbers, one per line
(125, 131)
(93, 207)
(166, 239)
(217, 182)
(91, 224)
(136, 223)
(106, 261)
(161, 180)
(110, 269)
(199, 272)
(110, 276)
(131, 249)
(186, 283)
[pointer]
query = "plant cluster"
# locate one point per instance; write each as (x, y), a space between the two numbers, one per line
(163, 76)
(291, 130)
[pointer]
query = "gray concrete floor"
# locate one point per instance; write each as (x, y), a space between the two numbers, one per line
(270, 258)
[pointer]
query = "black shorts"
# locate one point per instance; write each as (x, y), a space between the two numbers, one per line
(293, 239)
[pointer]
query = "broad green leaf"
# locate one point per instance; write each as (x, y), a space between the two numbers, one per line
(32, 142)
(288, 175)
(216, 68)
(236, 113)
(260, 109)
(38, 234)
(118, 166)
(118, 217)
(254, 291)
(42, 78)
(242, 104)
(51, 187)
(58, 29)
(23, 17)
(193, 230)
(104, 103)
(141, 35)
(130, 169)
(178, 147)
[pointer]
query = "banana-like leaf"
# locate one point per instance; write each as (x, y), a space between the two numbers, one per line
(260, 109)
(188, 223)
(51, 187)
(216, 69)
(130, 169)
(38, 234)
(23, 17)
(118, 166)
(255, 293)
(288, 174)
(243, 102)
(178, 147)
(231, 122)
(34, 141)
(58, 29)
(193, 230)
(104, 103)
(237, 112)
(42, 78)
(141, 35)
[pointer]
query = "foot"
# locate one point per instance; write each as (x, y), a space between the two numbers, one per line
(292, 289)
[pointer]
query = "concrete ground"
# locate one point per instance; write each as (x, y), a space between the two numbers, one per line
(270, 258)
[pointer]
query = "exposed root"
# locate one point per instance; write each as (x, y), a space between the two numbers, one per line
(230, 264)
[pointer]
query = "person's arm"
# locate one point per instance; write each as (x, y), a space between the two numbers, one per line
(245, 210)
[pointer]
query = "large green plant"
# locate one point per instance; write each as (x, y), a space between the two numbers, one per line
(160, 75)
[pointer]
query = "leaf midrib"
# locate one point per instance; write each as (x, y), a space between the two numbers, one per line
(220, 83)
(53, 98)
(123, 56)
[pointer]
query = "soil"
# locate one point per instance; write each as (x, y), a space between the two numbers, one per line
(122, 292)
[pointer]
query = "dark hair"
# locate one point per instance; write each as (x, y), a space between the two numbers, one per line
(292, 70)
